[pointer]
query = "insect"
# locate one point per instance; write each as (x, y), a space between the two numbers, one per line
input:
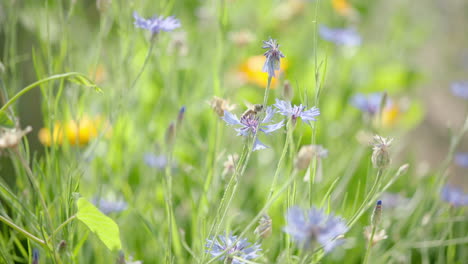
(252, 110)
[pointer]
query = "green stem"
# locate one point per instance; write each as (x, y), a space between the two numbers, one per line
(280, 162)
(267, 90)
(35, 185)
(148, 55)
(369, 247)
(218, 219)
(51, 78)
(365, 203)
(71, 218)
(22, 231)
(259, 215)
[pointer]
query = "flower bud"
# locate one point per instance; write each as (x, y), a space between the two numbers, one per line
(380, 156)
(171, 134)
(377, 214)
(288, 92)
(62, 246)
(264, 226)
(304, 157)
(180, 116)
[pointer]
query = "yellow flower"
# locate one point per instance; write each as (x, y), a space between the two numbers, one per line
(76, 132)
(251, 71)
(342, 7)
(390, 115)
(47, 138)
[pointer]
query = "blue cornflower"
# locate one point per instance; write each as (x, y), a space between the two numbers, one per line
(296, 111)
(460, 89)
(339, 36)
(251, 124)
(155, 161)
(367, 103)
(108, 206)
(273, 56)
(156, 24)
(241, 249)
(454, 196)
(315, 227)
(461, 159)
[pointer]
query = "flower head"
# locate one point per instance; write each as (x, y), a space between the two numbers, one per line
(314, 226)
(250, 125)
(378, 236)
(307, 152)
(297, 111)
(460, 89)
(156, 24)
(340, 36)
(273, 56)
(369, 104)
(380, 155)
(454, 196)
(240, 249)
(10, 138)
(461, 159)
(219, 105)
(109, 206)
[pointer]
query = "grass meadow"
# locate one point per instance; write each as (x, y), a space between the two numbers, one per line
(228, 131)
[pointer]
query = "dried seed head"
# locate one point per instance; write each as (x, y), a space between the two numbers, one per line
(304, 157)
(219, 105)
(230, 163)
(307, 152)
(378, 236)
(380, 157)
(264, 226)
(10, 138)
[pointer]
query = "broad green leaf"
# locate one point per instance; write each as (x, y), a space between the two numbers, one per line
(5, 121)
(104, 227)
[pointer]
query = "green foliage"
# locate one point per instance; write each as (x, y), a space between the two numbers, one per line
(103, 226)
